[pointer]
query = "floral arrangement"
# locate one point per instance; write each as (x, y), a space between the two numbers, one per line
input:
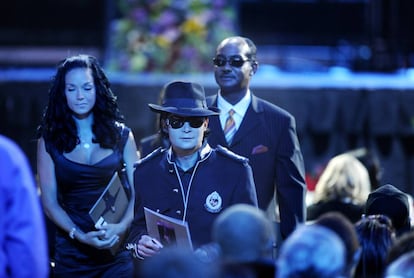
(169, 36)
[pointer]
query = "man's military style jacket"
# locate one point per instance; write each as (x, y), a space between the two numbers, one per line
(218, 180)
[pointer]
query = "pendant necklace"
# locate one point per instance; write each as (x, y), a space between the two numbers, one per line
(84, 143)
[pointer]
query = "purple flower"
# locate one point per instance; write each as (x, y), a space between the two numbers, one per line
(139, 15)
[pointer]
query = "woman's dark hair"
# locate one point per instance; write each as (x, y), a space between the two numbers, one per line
(376, 236)
(58, 127)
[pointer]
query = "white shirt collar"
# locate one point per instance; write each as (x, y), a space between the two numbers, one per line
(240, 108)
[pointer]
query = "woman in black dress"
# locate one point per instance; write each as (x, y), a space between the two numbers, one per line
(82, 143)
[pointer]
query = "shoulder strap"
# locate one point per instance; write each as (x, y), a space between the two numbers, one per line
(122, 171)
(124, 137)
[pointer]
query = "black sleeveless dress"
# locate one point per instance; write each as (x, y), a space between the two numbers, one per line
(79, 186)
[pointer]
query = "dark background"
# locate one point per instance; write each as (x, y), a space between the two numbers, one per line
(363, 36)
(381, 27)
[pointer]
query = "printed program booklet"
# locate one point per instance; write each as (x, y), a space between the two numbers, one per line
(167, 230)
(110, 206)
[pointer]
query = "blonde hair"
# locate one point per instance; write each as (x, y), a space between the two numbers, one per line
(344, 178)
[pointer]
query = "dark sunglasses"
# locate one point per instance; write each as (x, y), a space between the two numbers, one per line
(178, 122)
(234, 61)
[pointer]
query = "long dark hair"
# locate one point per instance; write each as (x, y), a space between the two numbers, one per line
(376, 235)
(58, 127)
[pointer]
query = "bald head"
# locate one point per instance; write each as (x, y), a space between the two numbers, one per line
(311, 251)
(243, 233)
(243, 43)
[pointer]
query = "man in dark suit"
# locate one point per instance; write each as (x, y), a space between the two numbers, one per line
(260, 131)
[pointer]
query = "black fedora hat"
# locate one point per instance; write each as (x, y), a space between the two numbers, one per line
(184, 99)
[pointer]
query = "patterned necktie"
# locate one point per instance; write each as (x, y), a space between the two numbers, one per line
(230, 127)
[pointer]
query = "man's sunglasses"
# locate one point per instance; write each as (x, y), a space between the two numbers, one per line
(234, 61)
(178, 122)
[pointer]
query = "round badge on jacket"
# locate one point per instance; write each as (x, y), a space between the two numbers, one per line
(213, 202)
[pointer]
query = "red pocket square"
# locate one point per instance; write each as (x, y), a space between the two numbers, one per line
(259, 149)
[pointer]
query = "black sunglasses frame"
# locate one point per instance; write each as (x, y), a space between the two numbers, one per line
(178, 122)
(236, 61)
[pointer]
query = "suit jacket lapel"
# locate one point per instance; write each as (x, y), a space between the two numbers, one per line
(214, 123)
(251, 119)
(215, 126)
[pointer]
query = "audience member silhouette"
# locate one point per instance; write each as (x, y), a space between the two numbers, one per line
(175, 262)
(343, 187)
(392, 202)
(402, 245)
(23, 240)
(311, 251)
(343, 227)
(403, 267)
(245, 239)
(376, 235)
(372, 163)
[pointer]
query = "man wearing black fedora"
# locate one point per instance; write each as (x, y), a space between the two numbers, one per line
(189, 181)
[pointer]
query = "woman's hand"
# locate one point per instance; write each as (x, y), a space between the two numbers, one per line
(111, 230)
(98, 239)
